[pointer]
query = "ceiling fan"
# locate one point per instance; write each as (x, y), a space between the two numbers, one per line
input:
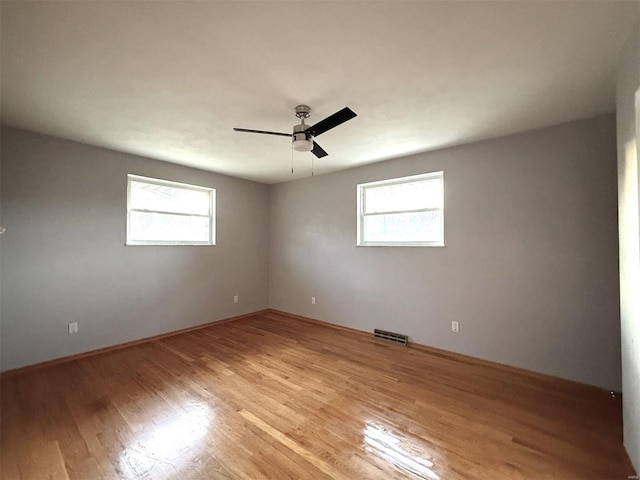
(303, 134)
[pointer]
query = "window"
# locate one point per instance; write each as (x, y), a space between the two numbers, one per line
(402, 211)
(160, 212)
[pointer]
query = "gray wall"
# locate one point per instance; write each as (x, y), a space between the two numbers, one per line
(627, 113)
(64, 259)
(530, 267)
(529, 270)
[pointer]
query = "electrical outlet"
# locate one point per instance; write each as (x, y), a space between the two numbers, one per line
(313, 300)
(455, 327)
(236, 298)
(73, 328)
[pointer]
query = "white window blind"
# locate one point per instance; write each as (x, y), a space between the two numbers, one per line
(402, 211)
(160, 212)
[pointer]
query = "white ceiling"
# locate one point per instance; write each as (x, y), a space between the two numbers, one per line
(169, 80)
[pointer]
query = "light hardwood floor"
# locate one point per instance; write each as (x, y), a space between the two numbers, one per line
(274, 397)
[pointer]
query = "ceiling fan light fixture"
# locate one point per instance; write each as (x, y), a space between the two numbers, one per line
(301, 143)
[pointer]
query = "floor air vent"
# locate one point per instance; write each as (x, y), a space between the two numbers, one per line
(391, 337)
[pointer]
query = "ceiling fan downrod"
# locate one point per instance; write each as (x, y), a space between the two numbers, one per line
(302, 142)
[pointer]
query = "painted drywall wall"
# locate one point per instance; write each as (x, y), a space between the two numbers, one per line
(1, 236)
(530, 267)
(627, 113)
(64, 259)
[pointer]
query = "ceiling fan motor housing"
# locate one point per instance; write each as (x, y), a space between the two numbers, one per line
(302, 142)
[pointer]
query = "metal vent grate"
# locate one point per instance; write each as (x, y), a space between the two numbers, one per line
(391, 337)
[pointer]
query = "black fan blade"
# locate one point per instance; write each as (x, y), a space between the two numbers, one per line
(331, 121)
(262, 131)
(318, 151)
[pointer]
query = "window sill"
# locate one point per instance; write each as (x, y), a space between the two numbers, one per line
(399, 244)
(170, 244)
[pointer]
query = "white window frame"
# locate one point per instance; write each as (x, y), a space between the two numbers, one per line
(362, 188)
(167, 183)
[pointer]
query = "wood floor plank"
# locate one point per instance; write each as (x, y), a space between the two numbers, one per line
(274, 396)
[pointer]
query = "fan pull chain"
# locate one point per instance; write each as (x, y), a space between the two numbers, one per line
(311, 164)
(292, 159)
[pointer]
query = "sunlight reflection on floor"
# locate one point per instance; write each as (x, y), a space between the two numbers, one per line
(166, 443)
(384, 444)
